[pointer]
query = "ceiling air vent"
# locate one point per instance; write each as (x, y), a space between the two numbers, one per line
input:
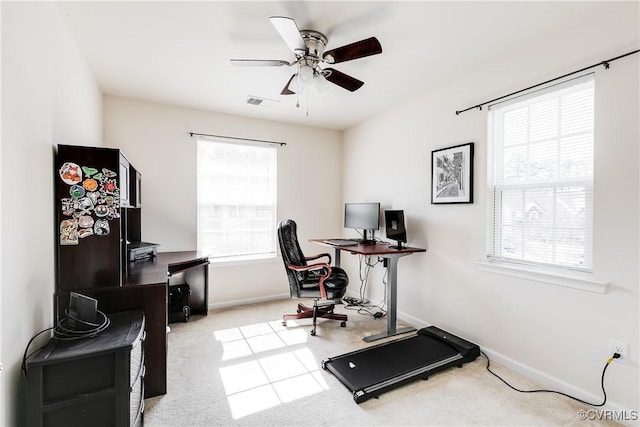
(252, 100)
(263, 102)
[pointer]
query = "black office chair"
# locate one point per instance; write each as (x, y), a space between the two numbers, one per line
(317, 281)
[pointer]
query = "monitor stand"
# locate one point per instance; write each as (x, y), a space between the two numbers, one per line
(397, 246)
(367, 238)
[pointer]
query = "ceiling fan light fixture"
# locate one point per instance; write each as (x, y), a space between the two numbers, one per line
(305, 74)
(320, 83)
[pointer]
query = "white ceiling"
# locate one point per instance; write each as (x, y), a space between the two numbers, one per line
(178, 52)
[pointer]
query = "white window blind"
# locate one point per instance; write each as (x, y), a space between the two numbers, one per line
(236, 199)
(540, 177)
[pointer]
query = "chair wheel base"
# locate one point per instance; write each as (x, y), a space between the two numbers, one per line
(317, 311)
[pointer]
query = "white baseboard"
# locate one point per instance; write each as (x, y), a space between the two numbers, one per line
(248, 301)
(418, 323)
(552, 383)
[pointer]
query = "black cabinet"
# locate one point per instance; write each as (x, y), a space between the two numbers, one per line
(93, 381)
(97, 212)
(91, 184)
(97, 200)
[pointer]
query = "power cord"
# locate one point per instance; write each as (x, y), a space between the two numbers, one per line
(615, 356)
(360, 304)
(25, 357)
(71, 328)
(67, 329)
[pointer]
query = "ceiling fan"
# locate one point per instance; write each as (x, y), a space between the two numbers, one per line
(309, 49)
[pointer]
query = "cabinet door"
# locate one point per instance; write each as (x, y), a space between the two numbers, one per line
(88, 217)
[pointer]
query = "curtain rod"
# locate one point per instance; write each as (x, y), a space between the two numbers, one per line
(238, 139)
(604, 63)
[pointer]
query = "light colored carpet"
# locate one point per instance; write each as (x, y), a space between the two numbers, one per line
(240, 367)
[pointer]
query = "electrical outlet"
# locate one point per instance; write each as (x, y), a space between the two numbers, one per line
(622, 348)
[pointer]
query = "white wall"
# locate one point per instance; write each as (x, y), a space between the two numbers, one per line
(155, 139)
(557, 335)
(49, 97)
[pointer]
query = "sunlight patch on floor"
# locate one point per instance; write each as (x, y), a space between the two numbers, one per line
(252, 401)
(263, 371)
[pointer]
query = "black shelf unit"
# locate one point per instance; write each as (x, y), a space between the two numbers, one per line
(92, 381)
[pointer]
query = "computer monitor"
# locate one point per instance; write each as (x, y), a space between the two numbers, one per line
(394, 227)
(363, 216)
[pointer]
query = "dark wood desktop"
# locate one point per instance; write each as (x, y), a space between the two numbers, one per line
(175, 268)
(391, 256)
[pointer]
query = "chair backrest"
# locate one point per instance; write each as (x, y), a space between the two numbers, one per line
(291, 253)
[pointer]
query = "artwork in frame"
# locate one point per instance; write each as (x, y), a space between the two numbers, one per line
(452, 174)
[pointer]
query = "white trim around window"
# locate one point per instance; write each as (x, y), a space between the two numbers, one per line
(540, 179)
(237, 201)
(569, 279)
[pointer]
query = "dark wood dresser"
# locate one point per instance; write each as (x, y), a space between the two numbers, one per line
(91, 381)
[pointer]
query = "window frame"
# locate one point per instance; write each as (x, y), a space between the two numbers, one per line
(251, 256)
(555, 273)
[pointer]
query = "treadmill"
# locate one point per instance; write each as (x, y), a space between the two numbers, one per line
(374, 370)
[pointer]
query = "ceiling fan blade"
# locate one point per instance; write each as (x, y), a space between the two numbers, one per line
(260, 62)
(341, 79)
(286, 90)
(366, 47)
(290, 33)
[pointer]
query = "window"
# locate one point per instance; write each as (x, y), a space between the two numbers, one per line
(236, 199)
(540, 177)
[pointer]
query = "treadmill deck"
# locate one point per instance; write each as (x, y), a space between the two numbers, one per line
(371, 371)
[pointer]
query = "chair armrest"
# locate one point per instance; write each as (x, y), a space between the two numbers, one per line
(311, 258)
(312, 267)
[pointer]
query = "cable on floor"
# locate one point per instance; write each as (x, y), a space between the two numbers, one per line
(360, 304)
(615, 356)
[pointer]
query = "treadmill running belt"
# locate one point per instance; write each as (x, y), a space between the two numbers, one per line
(374, 370)
(389, 361)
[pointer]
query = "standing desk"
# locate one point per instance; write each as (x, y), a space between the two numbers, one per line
(391, 257)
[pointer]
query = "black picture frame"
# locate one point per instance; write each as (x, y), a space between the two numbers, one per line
(452, 174)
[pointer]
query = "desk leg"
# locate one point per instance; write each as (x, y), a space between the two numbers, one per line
(392, 292)
(336, 263)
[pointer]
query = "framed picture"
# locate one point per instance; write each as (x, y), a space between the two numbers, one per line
(452, 174)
